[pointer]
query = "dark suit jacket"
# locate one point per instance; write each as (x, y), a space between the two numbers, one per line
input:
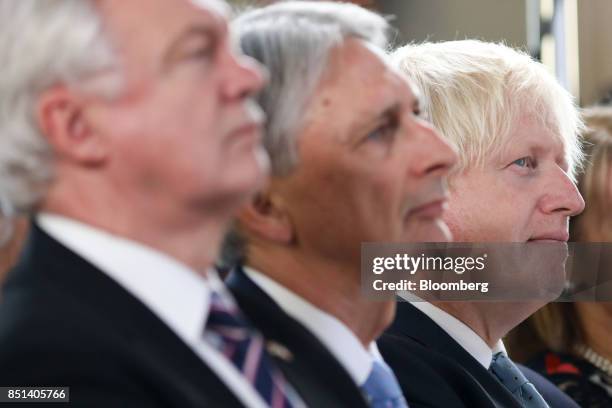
(435, 371)
(65, 323)
(312, 369)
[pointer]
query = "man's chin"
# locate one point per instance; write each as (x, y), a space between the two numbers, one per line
(233, 193)
(250, 176)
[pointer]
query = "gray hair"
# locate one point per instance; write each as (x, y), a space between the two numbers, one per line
(42, 43)
(293, 40)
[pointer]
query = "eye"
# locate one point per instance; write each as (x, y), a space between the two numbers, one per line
(525, 162)
(384, 132)
(198, 47)
(198, 53)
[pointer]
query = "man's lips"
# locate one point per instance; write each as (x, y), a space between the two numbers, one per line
(251, 130)
(559, 236)
(431, 209)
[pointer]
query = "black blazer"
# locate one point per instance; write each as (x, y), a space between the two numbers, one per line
(435, 371)
(65, 323)
(309, 366)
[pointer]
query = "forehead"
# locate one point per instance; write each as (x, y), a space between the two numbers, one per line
(360, 81)
(145, 27)
(535, 135)
(219, 7)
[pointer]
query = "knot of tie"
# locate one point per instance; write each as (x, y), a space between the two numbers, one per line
(228, 324)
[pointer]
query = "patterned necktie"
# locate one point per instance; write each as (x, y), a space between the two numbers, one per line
(381, 388)
(229, 332)
(513, 379)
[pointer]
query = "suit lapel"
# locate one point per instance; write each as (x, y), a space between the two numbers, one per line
(310, 367)
(152, 348)
(412, 323)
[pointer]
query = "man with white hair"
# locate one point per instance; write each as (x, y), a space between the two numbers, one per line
(352, 161)
(516, 132)
(128, 132)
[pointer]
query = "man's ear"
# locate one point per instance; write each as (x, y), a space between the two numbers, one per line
(265, 217)
(61, 117)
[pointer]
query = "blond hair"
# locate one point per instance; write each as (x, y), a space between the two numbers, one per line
(476, 92)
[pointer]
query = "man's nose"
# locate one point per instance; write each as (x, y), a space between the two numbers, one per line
(436, 156)
(245, 77)
(561, 195)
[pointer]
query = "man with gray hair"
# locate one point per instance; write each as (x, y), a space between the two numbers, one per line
(352, 161)
(516, 130)
(128, 133)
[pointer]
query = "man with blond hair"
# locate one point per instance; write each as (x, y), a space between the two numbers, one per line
(515, 129)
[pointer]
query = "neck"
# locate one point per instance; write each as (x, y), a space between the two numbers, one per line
(192, 238)
(333, 288)
(596, 319)
(490, 320)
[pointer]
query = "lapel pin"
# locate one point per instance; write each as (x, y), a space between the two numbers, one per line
(280, 351)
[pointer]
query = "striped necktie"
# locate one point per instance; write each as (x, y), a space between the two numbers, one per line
(229, 332)
(513, 379)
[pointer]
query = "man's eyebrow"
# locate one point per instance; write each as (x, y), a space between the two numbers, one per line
(197, 30)
(390, 111)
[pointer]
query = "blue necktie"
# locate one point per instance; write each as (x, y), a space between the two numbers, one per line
(381, 388)
(513, 379)
(232, 335)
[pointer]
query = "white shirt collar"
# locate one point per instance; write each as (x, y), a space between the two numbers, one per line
(335, 335)
(460, 332)
(176, 294)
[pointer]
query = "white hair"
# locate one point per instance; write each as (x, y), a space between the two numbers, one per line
(476, 92)
(42, 44)
(293, 40)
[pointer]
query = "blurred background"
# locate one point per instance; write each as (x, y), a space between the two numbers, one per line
(569, 36)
